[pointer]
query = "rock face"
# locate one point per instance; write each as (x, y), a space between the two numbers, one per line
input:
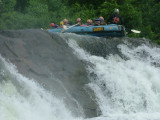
(47, 59)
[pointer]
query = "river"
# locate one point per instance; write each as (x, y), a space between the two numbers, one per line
(46, 76)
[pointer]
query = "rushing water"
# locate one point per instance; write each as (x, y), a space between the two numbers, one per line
(24, 99)
(123, 80)
(125, 89)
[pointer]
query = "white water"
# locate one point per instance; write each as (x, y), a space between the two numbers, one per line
(125, 89)
(24, 99)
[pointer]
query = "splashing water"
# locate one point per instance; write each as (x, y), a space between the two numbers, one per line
(24, 99)
(125, 83)
(125, 89)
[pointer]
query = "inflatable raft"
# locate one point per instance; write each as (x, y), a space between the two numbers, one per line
(111, 30)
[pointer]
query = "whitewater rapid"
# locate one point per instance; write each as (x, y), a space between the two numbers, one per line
(125, 86)
(24, 99)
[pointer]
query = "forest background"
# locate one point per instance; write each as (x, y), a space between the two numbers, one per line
(143, 15)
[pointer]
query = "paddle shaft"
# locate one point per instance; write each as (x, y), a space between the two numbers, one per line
(65, 27)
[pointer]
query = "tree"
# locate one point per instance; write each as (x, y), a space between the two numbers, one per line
(21, 5)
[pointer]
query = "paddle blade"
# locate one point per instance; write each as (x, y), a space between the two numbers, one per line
(135, 31)
(64, 27)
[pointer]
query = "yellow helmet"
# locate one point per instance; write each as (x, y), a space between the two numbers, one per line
(61, 23)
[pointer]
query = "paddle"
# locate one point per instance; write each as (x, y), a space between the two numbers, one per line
(132, 30)
(135, 31)
(66, 28)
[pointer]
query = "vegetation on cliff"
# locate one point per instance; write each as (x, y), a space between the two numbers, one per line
(137, 14)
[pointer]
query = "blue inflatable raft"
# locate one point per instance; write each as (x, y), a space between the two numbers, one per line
(111, 30)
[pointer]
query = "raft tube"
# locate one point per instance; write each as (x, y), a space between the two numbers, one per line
(111, 30)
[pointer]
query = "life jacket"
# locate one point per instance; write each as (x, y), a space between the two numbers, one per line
(116, 20)
(97, 22)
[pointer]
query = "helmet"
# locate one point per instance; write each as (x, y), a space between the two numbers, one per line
(52, 24)
(116, 11)
(61, 23)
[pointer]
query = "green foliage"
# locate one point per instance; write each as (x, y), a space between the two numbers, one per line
(107, 8)
(136, 14)
(21, 21)
(94, 3)
(83, 12)
(54, 5)
(132, 18)
(7, 5)
(21, 5)
(37, 9)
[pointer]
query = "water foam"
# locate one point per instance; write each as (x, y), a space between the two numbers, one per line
(125, 88)
(24, 99)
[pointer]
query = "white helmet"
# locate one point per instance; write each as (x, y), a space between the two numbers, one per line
(116, 11)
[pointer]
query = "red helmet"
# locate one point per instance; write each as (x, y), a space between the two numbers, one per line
(52, 24)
